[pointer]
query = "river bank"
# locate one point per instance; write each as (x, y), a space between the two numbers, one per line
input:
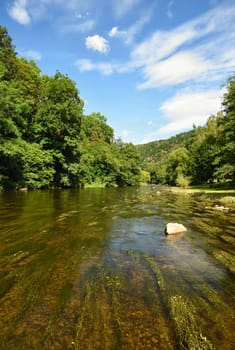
(223, 196)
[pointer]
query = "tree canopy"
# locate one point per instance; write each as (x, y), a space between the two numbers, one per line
(46, 140)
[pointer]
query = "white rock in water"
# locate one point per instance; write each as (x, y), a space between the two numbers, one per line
(220, 207)
(174, 227)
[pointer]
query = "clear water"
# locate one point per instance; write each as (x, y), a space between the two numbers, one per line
(93, 269)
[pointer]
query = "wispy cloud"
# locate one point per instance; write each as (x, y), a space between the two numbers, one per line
(161, 45)
(116, 33)
(180, 68)
(128, 35)
(97, 43)
(86, 65)
(105, 68)
(78, 27)
(169, 12)
(26, 11)
(32, 54)
(200, 49)
(122, 7)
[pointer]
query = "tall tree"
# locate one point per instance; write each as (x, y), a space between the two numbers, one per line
(128, 166)
(57, 126)
(225, 159)
(95, 128)
(178, 164)
(203, 151)
(7, 55)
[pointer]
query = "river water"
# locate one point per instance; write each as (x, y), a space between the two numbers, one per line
(92, 269)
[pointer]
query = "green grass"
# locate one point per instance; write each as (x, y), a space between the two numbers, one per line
(228, 200)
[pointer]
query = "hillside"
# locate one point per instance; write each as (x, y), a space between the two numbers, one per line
(203, 155)
(156, 150)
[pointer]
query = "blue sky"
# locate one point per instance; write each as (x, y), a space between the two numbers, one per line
(152, 67)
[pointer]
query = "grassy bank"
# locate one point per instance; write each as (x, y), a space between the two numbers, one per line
(225, 197)
(197, 189)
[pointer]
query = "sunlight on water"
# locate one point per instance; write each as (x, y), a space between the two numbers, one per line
(93, 269)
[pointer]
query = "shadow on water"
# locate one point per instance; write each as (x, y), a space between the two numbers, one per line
(93, 269)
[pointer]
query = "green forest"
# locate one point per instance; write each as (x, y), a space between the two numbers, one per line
(204, 155)
(47, 141)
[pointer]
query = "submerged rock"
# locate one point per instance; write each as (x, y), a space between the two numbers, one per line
(174, 227)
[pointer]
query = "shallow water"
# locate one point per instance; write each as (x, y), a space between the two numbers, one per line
(93, 269)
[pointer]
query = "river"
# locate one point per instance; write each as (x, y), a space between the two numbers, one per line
(92, 269)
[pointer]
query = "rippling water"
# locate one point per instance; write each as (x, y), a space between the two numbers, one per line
(93, 269)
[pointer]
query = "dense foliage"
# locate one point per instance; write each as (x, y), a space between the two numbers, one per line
(45, 138)
(204, 155)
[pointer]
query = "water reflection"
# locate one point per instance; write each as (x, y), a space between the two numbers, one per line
(93, 269)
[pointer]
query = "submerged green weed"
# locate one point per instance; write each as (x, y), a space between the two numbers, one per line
(188, 332)
(64, 297)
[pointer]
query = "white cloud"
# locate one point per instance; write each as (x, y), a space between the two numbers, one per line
(185, 109)
(181, 67)
(160, 45)
(26, 11)
(35, 55)
(18, 11)
(191, 107)
(97, 43)
(199, 50)
(116, 33)
(150, 123)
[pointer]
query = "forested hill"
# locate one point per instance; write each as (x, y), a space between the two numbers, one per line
(203, 155)
(153, 151)
(46, 140)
